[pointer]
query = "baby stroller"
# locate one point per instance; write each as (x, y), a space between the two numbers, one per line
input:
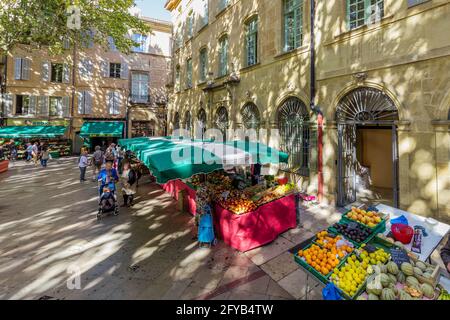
(107, 203)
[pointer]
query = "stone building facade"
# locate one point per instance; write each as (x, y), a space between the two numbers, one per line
(92, 84)
(381, 84)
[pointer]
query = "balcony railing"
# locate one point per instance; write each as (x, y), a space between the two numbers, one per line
(138, 99)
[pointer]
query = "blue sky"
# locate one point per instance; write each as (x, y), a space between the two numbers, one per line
(153, 9)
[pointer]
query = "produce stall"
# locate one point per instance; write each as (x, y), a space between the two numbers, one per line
(355, 257)
(246, 216)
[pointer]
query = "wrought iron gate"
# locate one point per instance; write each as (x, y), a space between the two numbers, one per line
(222, 121)
(362, 106)
(294, 133)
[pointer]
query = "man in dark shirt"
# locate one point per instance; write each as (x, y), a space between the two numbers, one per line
(445, 255)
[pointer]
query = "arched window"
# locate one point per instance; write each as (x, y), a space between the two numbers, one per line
(251, 41)
(176, 121)
(222, 120)
(366, 105)
(202, 121)
(251, 118)
(293, 120)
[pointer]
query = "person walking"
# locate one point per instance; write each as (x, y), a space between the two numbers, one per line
(29, 152)
(129, 180)
(83, 163)
(12, 151)
(44, 155)
(35, 153)
(99, 159)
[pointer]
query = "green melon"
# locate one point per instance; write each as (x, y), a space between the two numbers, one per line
(422, 266)
(427, 290)
(412, 281)
(401, 277)
(373, 297)
(417, 271)
(407, 268)
(384, 279)
(405, 295)
(388, 294)
(392, 268)
(393, 278)
(427, 275)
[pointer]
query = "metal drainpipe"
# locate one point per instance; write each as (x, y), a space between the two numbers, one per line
(72, 111)
(313, 106)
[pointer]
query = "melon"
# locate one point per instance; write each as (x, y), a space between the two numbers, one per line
(384, 279)
(401, 277)
(407, 268)
(427, 275)
(388, 294)
(373, 297)
(411, 282)
(422, 266)
(417, 271)
(405, 295)
(427, 290)
(393, 288)
(393, 278)
(430, 270)
(392, 268)
(412, 262)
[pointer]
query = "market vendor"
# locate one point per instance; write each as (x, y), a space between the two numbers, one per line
(445, 255)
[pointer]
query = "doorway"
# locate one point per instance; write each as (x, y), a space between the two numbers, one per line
(368, 148)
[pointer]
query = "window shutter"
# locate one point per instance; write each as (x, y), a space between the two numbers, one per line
(111, 102)
(43, 106)
(124, 71)
(117, 100)
(17, 68)
(33, 102)
(66, 73)
(87, 102)
(81, 102)
(8, 104)
(26, 65)
(65, 107)
(46, 71)
(105, 68)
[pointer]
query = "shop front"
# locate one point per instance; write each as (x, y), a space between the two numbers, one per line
(101, 133)
(53, 133)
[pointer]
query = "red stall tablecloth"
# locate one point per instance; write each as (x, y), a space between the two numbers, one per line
(175, 186)
(257, 228)
(4, 166)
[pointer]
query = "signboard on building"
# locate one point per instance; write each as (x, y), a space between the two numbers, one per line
(37, 122)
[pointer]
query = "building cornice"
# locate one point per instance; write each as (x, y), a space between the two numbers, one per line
(172, 4)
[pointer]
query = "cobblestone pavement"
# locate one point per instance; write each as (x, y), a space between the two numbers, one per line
(51, 244)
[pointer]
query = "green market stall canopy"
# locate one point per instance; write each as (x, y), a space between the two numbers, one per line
(32, 131)
(170, 159)
(102, 129)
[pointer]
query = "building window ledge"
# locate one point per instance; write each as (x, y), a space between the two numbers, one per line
(364, 28)
(251, 67)
(203, 27)
(298, 50)
(222, 11)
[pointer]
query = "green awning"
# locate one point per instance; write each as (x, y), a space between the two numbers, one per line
(170, 159)
(102, 129)
(32, 131)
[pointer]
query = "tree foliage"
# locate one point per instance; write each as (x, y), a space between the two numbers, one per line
(41, 23)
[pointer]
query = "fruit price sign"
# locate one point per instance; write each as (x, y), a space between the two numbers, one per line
(399, 256)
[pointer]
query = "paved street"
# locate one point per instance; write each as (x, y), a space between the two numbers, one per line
(49, 234)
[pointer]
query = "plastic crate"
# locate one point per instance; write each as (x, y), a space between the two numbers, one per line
(356, 244)
(379, 228)
(310, 269)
